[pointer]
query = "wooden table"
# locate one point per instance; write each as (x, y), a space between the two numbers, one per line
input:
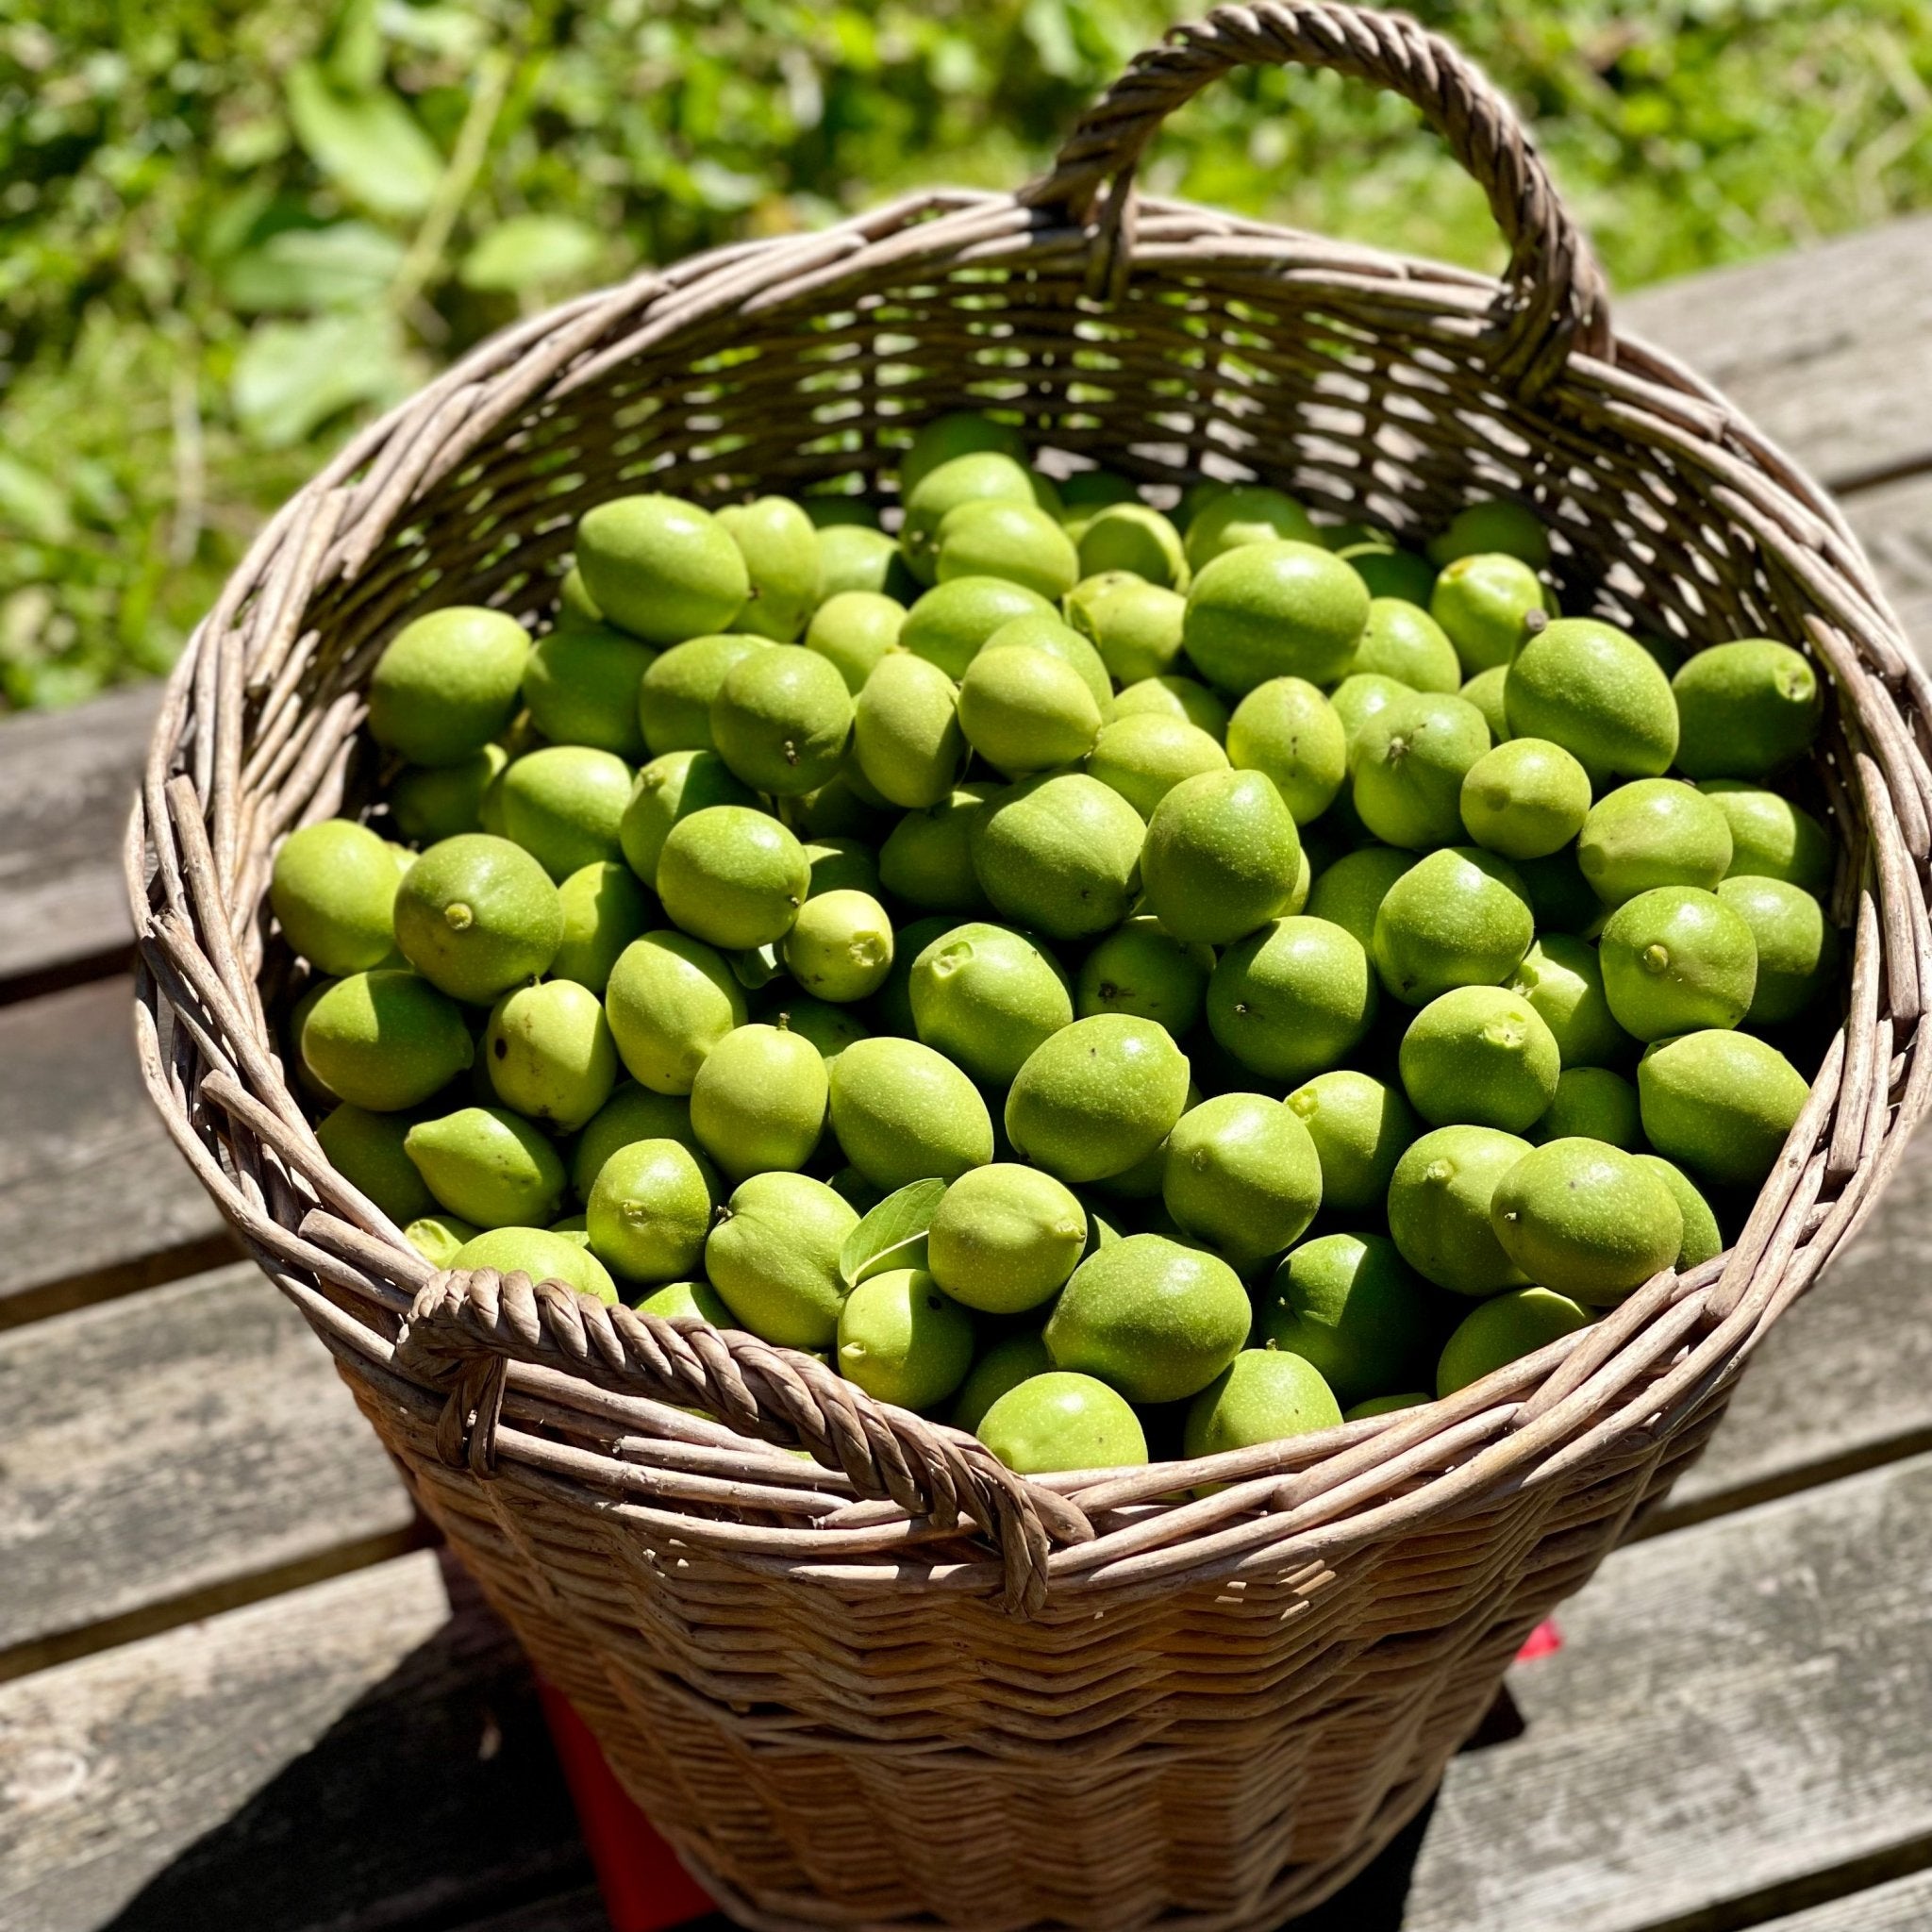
(240, 1690)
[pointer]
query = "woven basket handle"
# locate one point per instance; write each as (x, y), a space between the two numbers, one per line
(1556, 296)
(465, 1327)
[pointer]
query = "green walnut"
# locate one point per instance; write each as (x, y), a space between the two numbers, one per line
(1460, 917)
(1293, 999)
(1505, 1329)
(1361, 1128)
(758, 1103)
(669, 789)
(1439, 1207)
(604, 910)
(549, 1052)
(674, 694)
(1410, 763)
(1720, 1103)
(986, 996)
(670, 1001)
(662, 569)
(1150, 1317)
(446, 684)
(733, 875)
(1586, 1220)
(384, 1041)
(1280, 609)
(1677, 958)
(1349, 1306)
(780, 549)
(904, 1113)
(1261, 1397)
(1095, 1097)
(1479, 1056)
(540, 1253)
(1746, 708)
(902, 1340)
(1241, 1174)
(781, 719)
(1004, 1238)
(1596, 691)
(564, 806)
(580, 687)
(1059, 1421)
(905, 731)
(774, 1259)
(334, 890)
(650, 1211)
(1059, 854)
(491, 1166)
(1286, 729)
(1655, 832)
(1221, 857)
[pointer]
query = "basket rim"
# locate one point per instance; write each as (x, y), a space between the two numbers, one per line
(1634, 1375)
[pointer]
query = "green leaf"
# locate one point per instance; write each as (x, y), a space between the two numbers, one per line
(893, 1235)
(527, 251)
(759, 967)
(346, 266)
(33, 503)
(367, 142)
(354, 47)
(293, 377)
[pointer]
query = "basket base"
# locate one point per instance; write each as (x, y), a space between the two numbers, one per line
(1298, 1890)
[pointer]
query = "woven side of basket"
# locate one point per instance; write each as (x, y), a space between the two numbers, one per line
(889, 1681)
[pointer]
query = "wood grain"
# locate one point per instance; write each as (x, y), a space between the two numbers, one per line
(65, 781)
(1733, 1708)
(1828, 350)
(171, 1447)
(94, 1197)
(1894, 524)
(1904, 1905)
(1845, 1377)
(354, 1754)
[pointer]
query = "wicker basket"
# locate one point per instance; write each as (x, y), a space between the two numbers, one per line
(895, 1683)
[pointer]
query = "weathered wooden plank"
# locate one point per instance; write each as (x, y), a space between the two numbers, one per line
(1894, 524)
(1904, 1905)
(1845, 1377)
(1735, 1708)
(94, 1197)
(1828, 350)
(354, 1755)
(66, 778)
(180, 1446)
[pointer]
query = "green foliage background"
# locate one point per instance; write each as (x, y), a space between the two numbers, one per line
(231, 228)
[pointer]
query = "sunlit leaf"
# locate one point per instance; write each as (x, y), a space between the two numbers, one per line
(893, 1235)
(33, 503)
(529, 251)
(292, 376)
(367, 142)
(345, 266)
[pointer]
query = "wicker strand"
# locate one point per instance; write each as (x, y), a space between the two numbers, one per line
(1558, 297)
(1237, 1674)
(481, 1316)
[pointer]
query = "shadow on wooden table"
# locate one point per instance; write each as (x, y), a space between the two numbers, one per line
(435, 1800)
(476, 1817)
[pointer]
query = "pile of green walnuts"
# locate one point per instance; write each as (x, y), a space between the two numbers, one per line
(1101, 975)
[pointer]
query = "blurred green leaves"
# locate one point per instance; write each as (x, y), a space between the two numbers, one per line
(365, 140)
(292, 376)
(530, 252)
(229, 229)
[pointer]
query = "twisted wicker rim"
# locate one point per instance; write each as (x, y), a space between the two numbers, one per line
(517, 1372)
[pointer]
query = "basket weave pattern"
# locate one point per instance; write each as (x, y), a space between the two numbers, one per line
(892, 1681)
